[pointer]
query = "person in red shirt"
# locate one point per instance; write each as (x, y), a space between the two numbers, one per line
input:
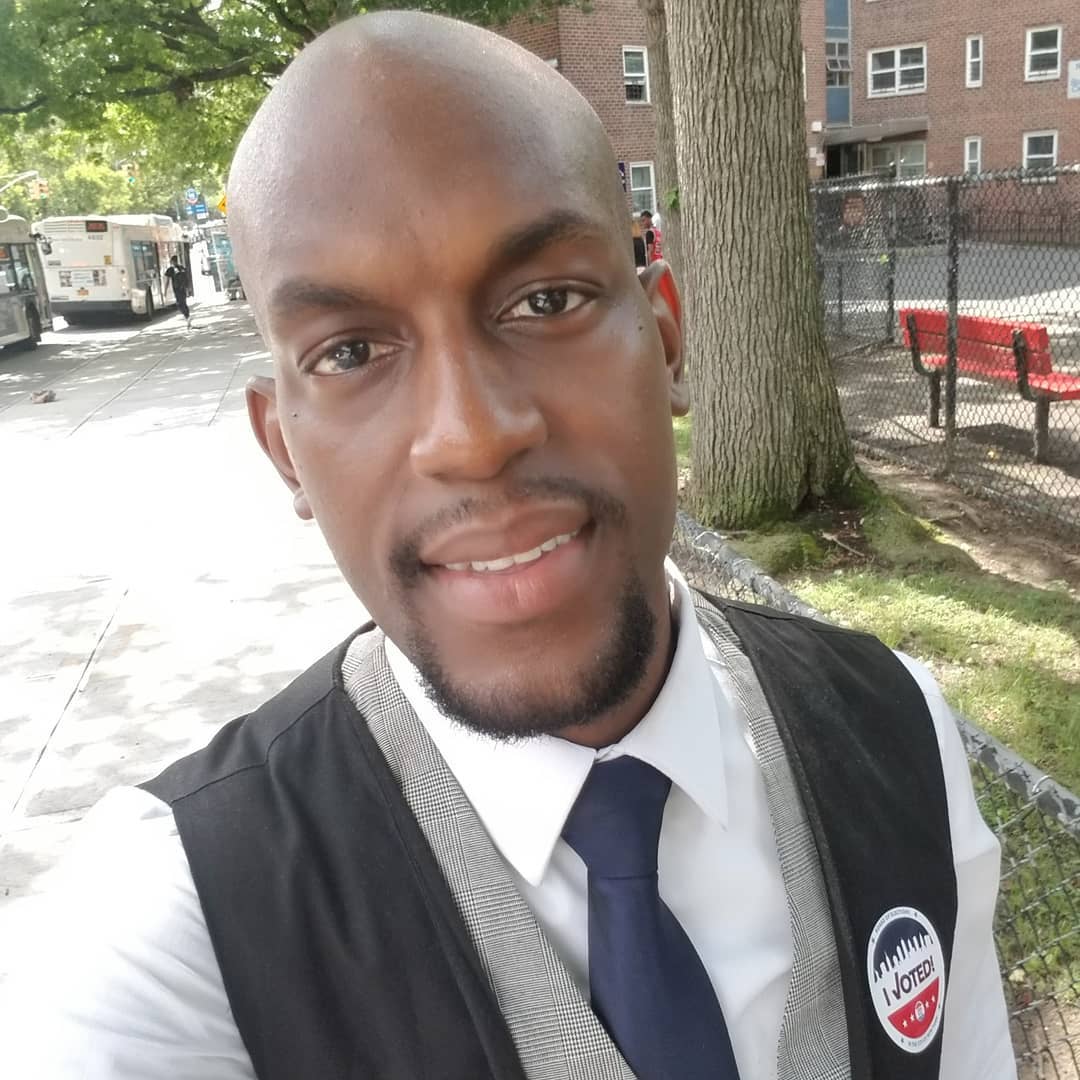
(653, 237)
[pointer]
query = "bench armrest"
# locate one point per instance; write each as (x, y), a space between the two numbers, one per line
(916, 352)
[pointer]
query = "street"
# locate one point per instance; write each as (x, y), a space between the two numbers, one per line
(154, 580)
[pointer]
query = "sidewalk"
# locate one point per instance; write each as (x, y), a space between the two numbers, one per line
(154, 578)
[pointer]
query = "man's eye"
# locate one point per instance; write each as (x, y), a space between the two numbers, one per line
(347, 356)
(546, 302)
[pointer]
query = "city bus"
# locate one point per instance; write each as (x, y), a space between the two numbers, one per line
(112, 264)
(24, 298)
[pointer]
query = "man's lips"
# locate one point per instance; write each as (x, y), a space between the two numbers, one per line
(498, 542)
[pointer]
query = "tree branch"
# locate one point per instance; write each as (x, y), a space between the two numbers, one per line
(25, 107)
(182, 84)
(281, 15)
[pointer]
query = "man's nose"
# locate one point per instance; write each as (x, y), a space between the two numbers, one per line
(474, 417)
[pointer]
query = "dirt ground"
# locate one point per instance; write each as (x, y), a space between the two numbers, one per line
(998, 541)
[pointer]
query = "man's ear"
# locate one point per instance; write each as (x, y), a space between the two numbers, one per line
(261, 393)
(659, 285)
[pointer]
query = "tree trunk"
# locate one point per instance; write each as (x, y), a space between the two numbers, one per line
(767, 424)
(667, 169)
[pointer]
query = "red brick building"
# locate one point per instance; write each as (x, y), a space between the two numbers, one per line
(920, 86)
(898, 87)
(603, 54)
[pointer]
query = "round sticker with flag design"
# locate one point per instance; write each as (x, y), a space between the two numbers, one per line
(906, 969)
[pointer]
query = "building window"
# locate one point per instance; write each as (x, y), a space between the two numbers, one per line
(906, 160)
(974, 61)
(896, 71)
(642, 186)
(837, 63)
(1040, 149)
(973, 154)
(1042, 56)
(635, 67)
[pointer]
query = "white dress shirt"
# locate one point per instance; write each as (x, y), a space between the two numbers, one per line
(125, 983)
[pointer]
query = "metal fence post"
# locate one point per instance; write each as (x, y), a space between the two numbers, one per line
(952, 296)
(890, 263)
(840, 295)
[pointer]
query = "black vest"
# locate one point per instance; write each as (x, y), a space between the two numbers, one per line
(341, 949)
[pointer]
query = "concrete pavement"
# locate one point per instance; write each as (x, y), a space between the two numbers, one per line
(154, 581)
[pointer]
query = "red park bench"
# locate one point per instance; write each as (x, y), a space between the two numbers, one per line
(992, 350)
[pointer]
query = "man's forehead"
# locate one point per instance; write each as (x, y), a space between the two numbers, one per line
(389, 132)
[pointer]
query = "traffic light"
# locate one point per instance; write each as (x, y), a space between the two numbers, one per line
(42, 188)
(132, 172)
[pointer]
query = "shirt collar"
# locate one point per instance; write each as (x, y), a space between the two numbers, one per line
(523, 791)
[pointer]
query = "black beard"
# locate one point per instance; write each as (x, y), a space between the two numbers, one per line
(600, 686)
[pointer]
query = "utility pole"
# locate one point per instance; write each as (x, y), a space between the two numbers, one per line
(19, 178)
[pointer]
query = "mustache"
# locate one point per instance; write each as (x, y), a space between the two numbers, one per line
(602, 508)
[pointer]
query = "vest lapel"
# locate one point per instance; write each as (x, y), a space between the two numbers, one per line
(814, 1035)
(557, 1035)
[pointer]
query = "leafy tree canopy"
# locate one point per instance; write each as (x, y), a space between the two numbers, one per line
(88, 86)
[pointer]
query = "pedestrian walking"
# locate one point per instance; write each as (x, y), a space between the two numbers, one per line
(551, 812)
(178, 276)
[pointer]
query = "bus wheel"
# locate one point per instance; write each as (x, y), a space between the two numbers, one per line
(149, 313)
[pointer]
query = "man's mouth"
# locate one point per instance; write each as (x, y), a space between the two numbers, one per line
(520, 558)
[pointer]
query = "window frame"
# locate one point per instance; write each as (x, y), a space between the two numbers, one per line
(969, 82)
(969, 141)
(897, 90)
(647, 99)
(838, 66)
(1042, 76)
(1040, 135)
(630, 167)
(896, 149)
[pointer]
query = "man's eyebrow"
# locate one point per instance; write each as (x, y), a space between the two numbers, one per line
(297, 296)
(560, 225)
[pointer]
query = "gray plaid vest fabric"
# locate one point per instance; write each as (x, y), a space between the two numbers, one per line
(557, 1034)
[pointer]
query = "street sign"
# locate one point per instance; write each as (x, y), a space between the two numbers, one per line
(221, 204)
(201, 213)
(192, 196)
(1074, 79)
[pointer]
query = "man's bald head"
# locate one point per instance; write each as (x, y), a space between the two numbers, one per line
(391, 93)
(430, 228)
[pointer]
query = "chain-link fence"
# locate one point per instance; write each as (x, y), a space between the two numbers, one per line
(952, 306)
(1037, 822)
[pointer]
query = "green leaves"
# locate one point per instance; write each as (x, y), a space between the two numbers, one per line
(170, 84)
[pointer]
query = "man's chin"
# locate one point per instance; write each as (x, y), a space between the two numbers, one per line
(511, 690)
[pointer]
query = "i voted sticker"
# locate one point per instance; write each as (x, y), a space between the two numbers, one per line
(906, 969)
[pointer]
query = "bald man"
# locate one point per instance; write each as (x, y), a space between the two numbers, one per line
(551, 814)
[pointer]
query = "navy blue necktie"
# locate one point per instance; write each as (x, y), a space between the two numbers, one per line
(649, 987)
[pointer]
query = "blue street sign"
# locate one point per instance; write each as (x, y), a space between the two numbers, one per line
(191, 195)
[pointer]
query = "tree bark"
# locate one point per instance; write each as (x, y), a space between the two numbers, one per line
(767, 430)
(667, 169)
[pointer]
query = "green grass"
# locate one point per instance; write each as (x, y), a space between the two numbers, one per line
(1006, 655)
(681, 425)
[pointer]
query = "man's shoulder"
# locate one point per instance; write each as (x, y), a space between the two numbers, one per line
(246, 743)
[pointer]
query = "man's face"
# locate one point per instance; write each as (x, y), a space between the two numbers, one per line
(479, 419)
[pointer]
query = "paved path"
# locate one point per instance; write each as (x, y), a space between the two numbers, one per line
(154, 581)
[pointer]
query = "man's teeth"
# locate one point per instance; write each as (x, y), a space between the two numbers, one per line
(514, 560)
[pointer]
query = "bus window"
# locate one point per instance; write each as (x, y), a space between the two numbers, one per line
(7, 269)
(145, 257)
(24, 274)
